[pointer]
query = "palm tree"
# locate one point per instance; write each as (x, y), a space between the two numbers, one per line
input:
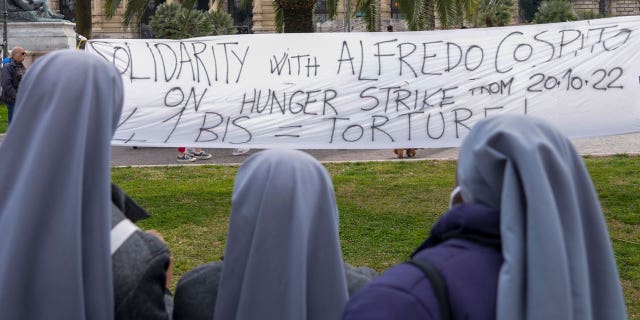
(83, 18)
(134, 10)
(420, 14)
(370, 12)
(300, 18)
(297, 15)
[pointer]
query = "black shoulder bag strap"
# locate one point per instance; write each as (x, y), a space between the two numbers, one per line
(438, 284)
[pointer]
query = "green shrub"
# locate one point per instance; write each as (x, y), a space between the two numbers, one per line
(555, 11)
(222, 22)
(172, 21)
(492, 13)
(588, 15)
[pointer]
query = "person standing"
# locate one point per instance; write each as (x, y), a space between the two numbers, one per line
(12, 73)
(192, 154)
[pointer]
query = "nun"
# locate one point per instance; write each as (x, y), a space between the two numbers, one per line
(525, 238)
(282, 259)
(56, 196)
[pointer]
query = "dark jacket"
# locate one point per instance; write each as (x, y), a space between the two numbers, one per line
(12, 73)
(139, 269)
(470, 270)
(197, 291)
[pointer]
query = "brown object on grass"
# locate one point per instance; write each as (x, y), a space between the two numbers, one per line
(400, 152)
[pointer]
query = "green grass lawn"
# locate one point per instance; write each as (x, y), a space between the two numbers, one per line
(386, 209)
(4, 118)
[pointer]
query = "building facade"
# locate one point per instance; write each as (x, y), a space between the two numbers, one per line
(611, 8)
(260, 18)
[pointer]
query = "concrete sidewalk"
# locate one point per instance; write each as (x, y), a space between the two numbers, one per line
(127, 156)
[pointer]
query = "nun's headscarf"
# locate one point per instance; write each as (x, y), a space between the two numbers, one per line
(558, 259)
(282, 259)
(55, 191)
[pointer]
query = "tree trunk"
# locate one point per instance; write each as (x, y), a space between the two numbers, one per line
(298, 15)
(83, 18)
(430, 14)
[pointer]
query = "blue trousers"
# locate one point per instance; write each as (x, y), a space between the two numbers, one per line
(10, 108)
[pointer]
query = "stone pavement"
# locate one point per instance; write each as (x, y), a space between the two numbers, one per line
(127, 156)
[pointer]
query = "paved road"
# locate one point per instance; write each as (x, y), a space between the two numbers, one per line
(127, 156)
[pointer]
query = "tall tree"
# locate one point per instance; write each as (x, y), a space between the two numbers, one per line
(133, 12)
(83, 18)
(368, 9)
(297, 15)
(420, 14)
(370, 13)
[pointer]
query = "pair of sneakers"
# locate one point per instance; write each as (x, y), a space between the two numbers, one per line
(240, 151)
(193, 156)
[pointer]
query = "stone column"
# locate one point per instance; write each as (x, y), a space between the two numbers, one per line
(104, 27)
(341, 13)
(263, 17)
(385, 14)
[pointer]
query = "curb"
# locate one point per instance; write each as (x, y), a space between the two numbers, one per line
(236, 164)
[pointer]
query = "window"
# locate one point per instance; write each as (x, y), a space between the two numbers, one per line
(242, 17)
(395, 10)
(320, 12)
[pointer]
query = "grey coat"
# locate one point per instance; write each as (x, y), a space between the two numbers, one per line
(197, 290)
(12, 73)
(139, 276)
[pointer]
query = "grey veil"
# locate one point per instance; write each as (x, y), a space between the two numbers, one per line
(55, 191)
(282, 259)
(559, 262)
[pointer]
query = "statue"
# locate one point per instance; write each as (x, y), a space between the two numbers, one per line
(29, 10)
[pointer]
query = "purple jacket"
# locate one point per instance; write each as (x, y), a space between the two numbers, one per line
(469, 268)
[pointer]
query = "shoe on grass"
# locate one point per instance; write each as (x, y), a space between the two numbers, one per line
(185, 157)
(201, 155)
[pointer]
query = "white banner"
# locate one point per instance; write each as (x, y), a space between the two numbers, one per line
(375, 90)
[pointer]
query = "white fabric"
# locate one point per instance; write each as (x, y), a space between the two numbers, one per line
(120, 233)
(376, 90)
